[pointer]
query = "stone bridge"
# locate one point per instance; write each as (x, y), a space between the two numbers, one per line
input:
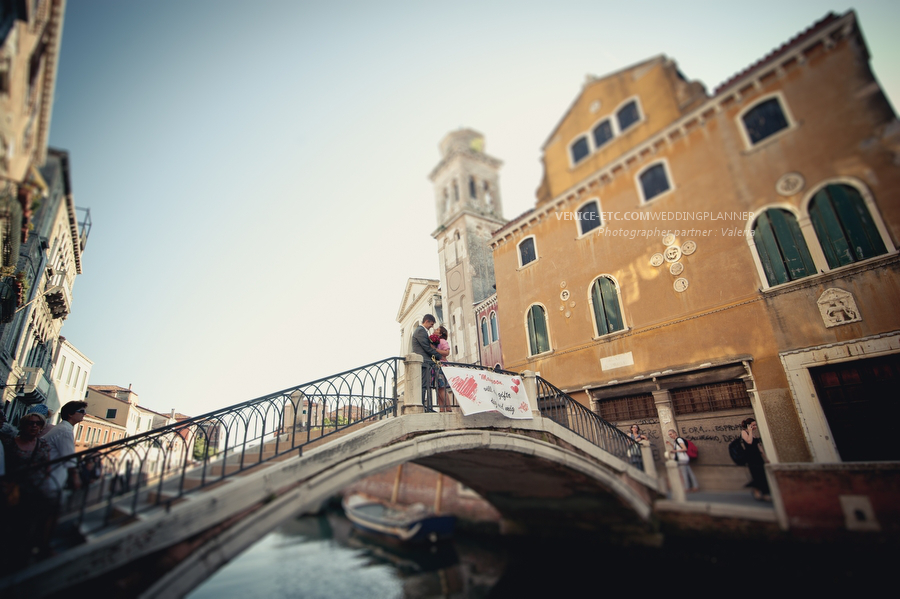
(540, 475)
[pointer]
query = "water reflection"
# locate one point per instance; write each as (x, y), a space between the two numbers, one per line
(324, 556)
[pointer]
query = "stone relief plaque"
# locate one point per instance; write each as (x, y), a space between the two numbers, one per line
(673, 253)
(789, 184)
(564, 294)
(676, 268)
(838, 307)
(656, 260)
(680, 284)
(688, 248)
(668, 239)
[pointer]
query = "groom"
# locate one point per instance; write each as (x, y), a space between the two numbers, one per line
(422, 346)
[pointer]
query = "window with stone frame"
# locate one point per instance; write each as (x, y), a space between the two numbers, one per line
(654, 181)
(628, 115)
(579, 149)
(538, 336)
(589, 217)
(527, 251)
(602, 133)
(605, 302)
(627, 409)
(845, 228)
(781, 247)
(764, 120)
(715, 397)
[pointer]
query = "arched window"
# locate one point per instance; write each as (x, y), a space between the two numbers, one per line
(484, 333)
(763, 120)
(605, 300)
(628, 115)
(495, 335)
(527, 251)
(579, 149)
(654, 181)
(781, 247)
(588, 217)
(844, 226)
(538, 338)
(473, 191)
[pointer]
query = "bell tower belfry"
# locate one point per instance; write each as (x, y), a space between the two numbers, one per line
(469, 209)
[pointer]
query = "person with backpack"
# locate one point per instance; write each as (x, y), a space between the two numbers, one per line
(680, 447)
(755, 458)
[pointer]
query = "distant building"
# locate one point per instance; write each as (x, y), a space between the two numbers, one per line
(487, 314)
(421, 297)
(693, 259)
(94, 431)
(71, 373)
(119, 406)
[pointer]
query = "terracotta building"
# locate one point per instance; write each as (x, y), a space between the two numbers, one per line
(695, 258)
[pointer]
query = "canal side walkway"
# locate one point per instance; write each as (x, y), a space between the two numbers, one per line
(738, 505)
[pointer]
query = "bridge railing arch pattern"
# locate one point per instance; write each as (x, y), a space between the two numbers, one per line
(157, 468)
(137, 473)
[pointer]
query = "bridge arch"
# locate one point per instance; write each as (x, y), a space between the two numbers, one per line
(565, 481)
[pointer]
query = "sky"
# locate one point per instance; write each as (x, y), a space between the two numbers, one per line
(257, 173)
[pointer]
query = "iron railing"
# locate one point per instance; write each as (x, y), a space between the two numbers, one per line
(559, 407)
(121, 479)
(562, 409)
(135, 474)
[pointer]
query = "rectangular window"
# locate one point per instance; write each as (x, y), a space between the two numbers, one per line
(69, 376)
(62, 368)
(77, 375)
(80, 431)
(111, 413)
(710, 398)
(105, 436)
(628, 408)
(527, 251)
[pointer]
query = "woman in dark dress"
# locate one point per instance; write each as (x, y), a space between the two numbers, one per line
(756, 460)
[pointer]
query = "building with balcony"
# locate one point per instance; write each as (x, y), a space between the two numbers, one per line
(30, 36)
(695, 258)
(50, 258)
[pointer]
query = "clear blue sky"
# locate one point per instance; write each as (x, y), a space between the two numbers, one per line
(257, 172)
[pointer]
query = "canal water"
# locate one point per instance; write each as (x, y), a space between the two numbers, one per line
(324, 557)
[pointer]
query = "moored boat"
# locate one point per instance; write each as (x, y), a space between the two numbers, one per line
(410, 524)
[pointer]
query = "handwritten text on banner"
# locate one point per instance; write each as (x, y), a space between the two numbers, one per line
(484, 391)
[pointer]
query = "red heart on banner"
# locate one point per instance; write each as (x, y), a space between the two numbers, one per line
(515, 388)
(516, 381)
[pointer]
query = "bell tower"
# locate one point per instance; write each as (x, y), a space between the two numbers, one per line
(469, 209)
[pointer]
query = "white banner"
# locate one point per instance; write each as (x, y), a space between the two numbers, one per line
(485, 391)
